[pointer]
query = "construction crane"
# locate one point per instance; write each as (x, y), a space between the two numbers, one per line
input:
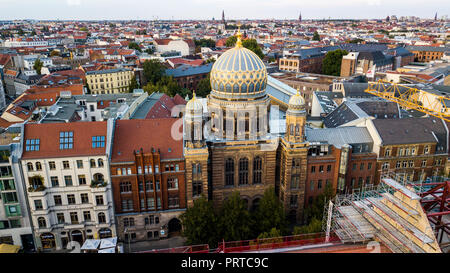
(425, 101)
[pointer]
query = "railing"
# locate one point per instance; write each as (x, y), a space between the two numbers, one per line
(182, 249)
(275, 243)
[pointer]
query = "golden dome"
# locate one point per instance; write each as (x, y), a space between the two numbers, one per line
(194, 105)
(297, 102)
(238, 74)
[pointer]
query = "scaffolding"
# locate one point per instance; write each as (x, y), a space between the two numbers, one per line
(390, 213)
(412, 98)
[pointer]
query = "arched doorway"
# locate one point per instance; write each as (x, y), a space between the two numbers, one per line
(174, 227)
(77, 236)
(104, 233)
(292, 216)
(48, 240)
(255, 203)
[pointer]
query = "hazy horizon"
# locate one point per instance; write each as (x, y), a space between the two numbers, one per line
(207, 9)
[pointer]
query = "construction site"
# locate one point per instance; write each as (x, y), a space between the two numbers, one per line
(396, 216)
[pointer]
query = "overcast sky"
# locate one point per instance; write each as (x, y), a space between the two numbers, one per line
(207, 9)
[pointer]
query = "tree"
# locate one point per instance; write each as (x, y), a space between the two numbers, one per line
(316, 209)
(316, 36)
(231, 41)
(200, 223)
(253, 46)
(273, 235)
(332, 62)
(314, 226)
(153, 70)
(38, 64)
(133, 84)
(203, 87)
(33, 33)
(149, 51)
(133, 45)
(166, 85)
(205, 43)
(84, 29)
(234, 220)
(269, 214)
(249, 44)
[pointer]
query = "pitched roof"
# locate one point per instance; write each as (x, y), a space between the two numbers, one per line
(134, 134)
(48, 134)
(411, 131)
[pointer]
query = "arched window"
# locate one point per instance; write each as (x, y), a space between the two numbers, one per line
(257, 170)
(229, 172)
(38, 166)
(243, 171)
(101, 218)
(41, 222)
(255, 204)
(297, 130)
(247, 123)
(291, 129)
(92, 163)
(100, 162)
(30, 166)
(98, 177)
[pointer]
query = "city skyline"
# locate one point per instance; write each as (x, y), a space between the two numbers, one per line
(205, 10)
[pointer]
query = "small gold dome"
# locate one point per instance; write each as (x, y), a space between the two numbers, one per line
(297, 100)
(194, 104)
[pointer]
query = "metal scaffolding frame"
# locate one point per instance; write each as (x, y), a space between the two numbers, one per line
(373, 212)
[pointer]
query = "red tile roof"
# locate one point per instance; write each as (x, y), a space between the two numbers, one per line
(134, 134)
(48, 134)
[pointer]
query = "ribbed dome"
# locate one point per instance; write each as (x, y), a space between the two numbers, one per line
(194, 105)
(238, 74)
(297, 100)
(296, 104)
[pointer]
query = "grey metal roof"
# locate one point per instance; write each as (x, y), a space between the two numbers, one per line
(411, 131)
(142, 111)
(339, 136)
(183, 71)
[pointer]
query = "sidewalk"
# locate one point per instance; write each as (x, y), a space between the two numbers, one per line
(175, 241)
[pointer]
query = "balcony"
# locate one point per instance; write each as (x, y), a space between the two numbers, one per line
(98, 184)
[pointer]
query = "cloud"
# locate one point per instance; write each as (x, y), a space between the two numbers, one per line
(73, 2)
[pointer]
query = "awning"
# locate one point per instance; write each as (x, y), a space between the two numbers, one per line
(108, 242)
(90, 244)
(5, 248)
(108, 250)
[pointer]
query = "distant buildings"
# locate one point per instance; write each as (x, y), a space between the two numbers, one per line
(109, 81)
(428, 53)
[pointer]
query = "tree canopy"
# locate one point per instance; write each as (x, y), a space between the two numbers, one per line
(203, 87)
(234, 220)
(205, 43)
(38, 64)
(316, 36)
(269, 213)
(153, 70)
(133, 84)
(332, 62)
(248, 43)
(199, 223)
(133, 45)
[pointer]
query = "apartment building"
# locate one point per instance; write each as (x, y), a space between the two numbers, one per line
(428, 53)
(109, 81)
(148, 178)
(15, 228)
(66, 172)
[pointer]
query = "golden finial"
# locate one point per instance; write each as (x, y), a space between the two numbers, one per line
(239, 35)
(298, 91)
(193, 94)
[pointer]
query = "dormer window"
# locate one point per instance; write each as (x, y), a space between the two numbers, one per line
(32, 145)
(65, 140)
(98, 141)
